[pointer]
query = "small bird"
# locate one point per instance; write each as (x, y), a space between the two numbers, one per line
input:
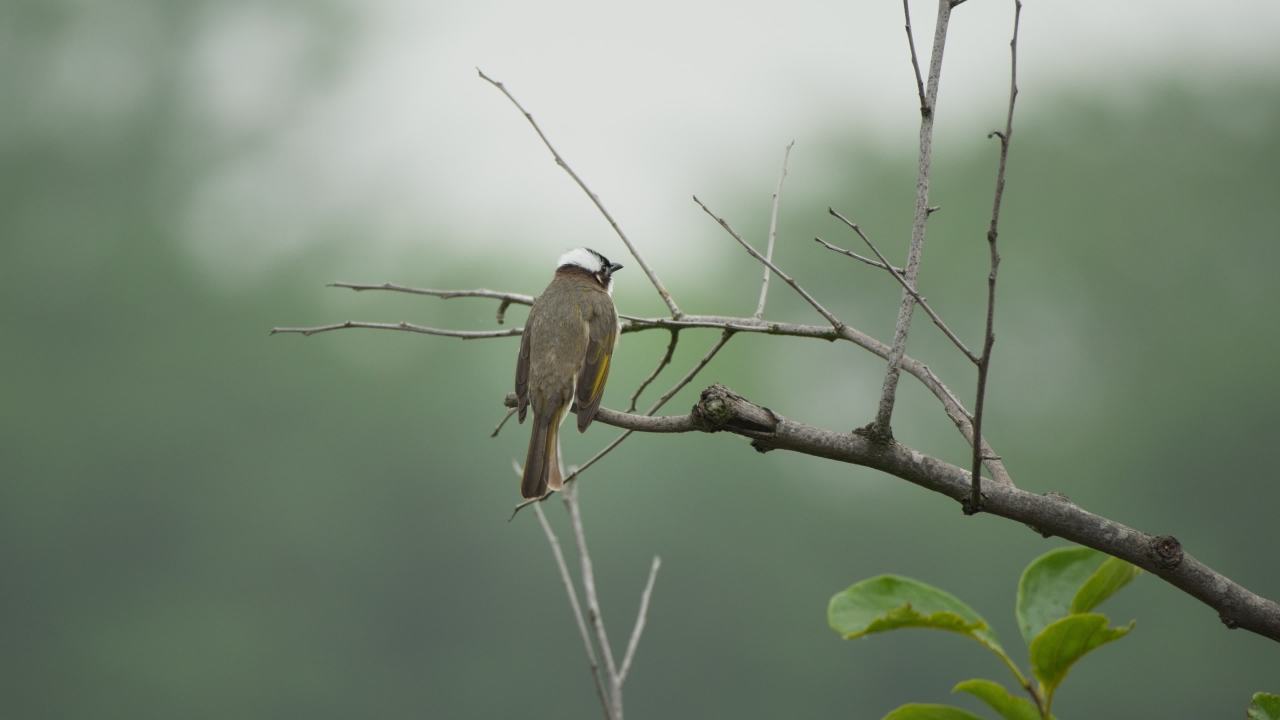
(565, 353)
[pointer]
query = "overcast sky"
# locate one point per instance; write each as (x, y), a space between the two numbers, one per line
(648, 101)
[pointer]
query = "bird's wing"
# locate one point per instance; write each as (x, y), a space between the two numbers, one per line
(522, 371)
(602, 332)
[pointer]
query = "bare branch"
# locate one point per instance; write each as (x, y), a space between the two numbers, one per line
(984, 365)
(951, 405)
(653, 277)
(773, 230)
(884, 263)
(882, 427)
(641, 615)
(831, 318)
(721, 410)
(507, 297)
(915, 60)
(400, 326)
(577, 609)
(856, 256)
(665, 361)
(594, 618)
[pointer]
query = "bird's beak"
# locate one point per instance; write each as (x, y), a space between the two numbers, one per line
(614, 267)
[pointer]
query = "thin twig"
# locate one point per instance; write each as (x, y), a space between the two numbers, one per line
(577, 610)
(502, 422)
(884, 263)
(653, 277)
(594, 618)
(830, 317)
(984, 365)
(915, 60)
(773, 230)
(507, 297)
(882, 427)
(401, 326)
(665, 361)
(856, 256)
(641, 615)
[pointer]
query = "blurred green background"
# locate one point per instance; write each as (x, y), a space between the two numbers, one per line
(199, 520)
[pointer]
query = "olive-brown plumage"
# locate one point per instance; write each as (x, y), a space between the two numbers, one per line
(565, 353)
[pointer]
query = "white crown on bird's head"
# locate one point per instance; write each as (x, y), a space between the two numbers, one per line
(593, 262)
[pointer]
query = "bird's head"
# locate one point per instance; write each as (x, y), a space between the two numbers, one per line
(596, 265)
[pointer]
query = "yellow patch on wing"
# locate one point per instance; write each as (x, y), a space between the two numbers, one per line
(597, 383)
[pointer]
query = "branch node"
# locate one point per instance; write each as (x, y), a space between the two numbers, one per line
(969, 507)
(1165, 551)
(881, 435)
(720, 408)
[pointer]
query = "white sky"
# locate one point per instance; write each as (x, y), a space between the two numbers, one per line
(650, 102)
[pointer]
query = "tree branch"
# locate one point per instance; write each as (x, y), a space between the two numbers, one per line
(662, 363)
(594, 618)
(769, 264)
(773, 230)
(648, 271)
(721, 410)
(884, 263)
(984, 365)
(563, 567)
(400, 326)
(856, 256)
(641, 616)
(882, 426)
(951, 404)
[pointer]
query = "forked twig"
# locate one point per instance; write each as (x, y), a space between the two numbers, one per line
(823, 311)
(884, 263)
(594, 617)
(569, 589)
(860, 258)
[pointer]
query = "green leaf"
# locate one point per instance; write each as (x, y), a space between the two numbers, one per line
(919, 711)
(1062, 643)
(1265, 706)
(1112, 575)
(1050, 584)
(1008, 705)
(890, 602)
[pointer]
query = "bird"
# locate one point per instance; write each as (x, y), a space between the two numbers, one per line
(565, 353)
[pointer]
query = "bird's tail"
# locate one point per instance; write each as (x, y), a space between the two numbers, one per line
(542, 464)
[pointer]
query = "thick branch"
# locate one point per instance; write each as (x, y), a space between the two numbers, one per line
(653, 277)
(928, 109)
(721, 410)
